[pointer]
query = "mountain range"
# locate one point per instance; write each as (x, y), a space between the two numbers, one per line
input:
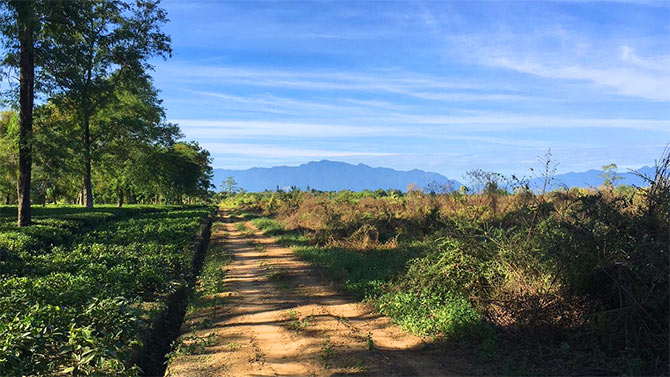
(328, 175)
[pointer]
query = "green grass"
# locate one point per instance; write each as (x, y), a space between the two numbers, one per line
(327, 353)
(375, 275)
(191, 344)
(211, 277)
(362, 273)
(273, 228)
(297, 324)
(370, 275)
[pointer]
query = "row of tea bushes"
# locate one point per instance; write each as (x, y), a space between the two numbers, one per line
(85, 304)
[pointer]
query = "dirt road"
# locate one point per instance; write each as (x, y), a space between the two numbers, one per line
(279, 317)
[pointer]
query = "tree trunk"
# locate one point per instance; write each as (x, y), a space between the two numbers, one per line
(88, 189)
(120, 199)
(26, 98)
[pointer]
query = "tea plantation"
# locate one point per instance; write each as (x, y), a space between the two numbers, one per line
(85, 292)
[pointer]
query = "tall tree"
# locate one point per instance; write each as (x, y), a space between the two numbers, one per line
(22, 27)
(26, 25)
(229, 185)
(610, 176)
(183, 170)
(55, 151)
(97, 46)
(128, 129)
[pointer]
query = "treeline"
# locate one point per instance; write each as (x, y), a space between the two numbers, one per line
(98, 128)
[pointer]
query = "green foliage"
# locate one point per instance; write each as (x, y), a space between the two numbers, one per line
(230, 185)
(9, 154)
(191, 344)
(610, 176)
(102, 121)
(79, 291)
(211, 277)
(361, 273)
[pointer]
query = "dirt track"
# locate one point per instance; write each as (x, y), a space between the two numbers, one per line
(278, 317)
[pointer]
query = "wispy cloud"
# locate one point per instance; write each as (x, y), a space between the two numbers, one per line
(557, 53)
(417, 126)
(650, 85)
(388, 80)
(501, 121)
(216, 128)
(341, 106)
(266, 150)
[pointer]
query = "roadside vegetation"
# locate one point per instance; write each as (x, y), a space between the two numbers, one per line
(561, 282)
(208, 295)
(89, 292)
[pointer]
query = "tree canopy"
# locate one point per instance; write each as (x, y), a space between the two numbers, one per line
(99, 124)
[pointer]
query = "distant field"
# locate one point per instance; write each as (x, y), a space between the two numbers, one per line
(82, 290)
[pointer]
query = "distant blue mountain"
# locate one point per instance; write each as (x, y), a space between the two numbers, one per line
(334, 176)
(592, 178)
(331, 176)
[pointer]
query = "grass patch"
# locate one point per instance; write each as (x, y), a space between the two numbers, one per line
(212, 275)
(191, 344)
(276, 230)
(242, 227)
(297, 324)
(233, 346)
(361, 273)
(327, 353)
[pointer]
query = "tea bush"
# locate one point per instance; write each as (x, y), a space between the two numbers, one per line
(81, 294)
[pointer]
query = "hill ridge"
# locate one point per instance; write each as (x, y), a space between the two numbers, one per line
(329, 175)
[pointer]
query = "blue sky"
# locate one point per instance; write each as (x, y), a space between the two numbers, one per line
(444, 86)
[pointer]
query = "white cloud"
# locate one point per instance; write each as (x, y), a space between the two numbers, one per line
(408, 125)
(390, 80)
(650, 85)
(561, 52)
(506, 122)
(230, 128)
(659, 63)
(273, 151)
